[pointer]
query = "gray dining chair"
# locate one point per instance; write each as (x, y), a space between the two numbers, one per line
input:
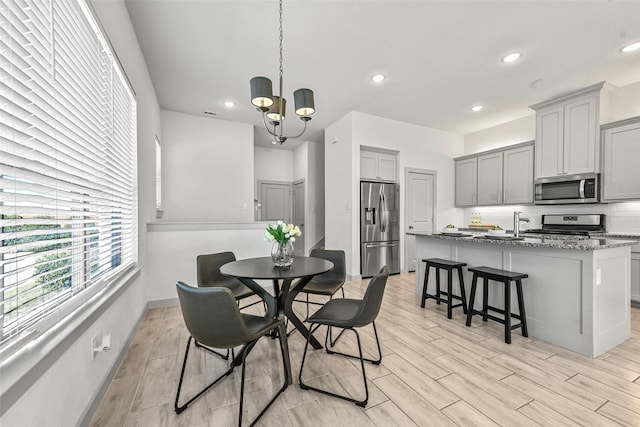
(208, 275)
(208, 270)
(213, 318)
(326, 284)
(349, 314)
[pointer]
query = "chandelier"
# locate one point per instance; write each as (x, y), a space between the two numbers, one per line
(273, 108)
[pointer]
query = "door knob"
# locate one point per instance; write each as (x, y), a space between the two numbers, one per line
(411, 227)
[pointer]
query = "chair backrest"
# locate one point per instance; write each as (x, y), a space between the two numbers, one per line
(338, 273)
(212, 316)
(372, 300)
(208, 269)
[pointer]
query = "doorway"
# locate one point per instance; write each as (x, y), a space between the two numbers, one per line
(298, 215)
(419, 208)
(275, 201)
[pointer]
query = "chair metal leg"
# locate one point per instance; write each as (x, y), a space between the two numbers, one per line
(245, 351)
(331, 340)
(361, 403)
(374, 361)
(178, 408)
(223, 356)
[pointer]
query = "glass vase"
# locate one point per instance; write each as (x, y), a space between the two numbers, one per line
(282, 254)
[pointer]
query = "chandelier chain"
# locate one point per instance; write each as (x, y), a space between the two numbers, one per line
(281, 41)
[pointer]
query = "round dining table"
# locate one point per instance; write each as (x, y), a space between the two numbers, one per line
(284, 289)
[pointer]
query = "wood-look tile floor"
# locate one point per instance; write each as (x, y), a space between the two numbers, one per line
(434, 372)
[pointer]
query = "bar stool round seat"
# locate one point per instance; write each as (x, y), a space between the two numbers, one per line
(449, 266)
(505, 277)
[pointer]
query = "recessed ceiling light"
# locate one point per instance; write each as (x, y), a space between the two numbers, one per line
(630, 47)
(378, 78)
(512, 57)
(229, 104)
(477, 108)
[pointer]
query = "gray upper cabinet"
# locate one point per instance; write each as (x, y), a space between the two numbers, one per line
(567, 133)
(466, 182)
(490, 179)
(518, 176)
(378, 165)
(497, 177)
(620, 154)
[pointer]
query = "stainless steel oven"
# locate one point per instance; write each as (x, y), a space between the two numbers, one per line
(567, 189)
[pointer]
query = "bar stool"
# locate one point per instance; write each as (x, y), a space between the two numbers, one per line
(444, 264)
(505, 277)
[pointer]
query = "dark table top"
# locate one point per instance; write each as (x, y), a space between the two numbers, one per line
(263, 268)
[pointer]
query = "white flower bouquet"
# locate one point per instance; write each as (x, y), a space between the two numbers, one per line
(282, 233)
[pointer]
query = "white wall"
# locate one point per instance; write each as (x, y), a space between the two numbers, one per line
(314, 214)
(513, 132)
(625, 102)
(173, 249)
(207, 167)
(60, 390)
(419, 147)
(342, 167)
(273, 164)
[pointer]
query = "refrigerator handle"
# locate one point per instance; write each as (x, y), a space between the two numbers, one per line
(381, 245)
(384, 215)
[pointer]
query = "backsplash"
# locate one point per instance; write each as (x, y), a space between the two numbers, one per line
(621, 217)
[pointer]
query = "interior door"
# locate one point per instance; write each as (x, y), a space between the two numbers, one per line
(275, 201)
(298, 215)
(419, 210)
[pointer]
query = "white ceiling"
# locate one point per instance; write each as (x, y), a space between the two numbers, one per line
(440, 57)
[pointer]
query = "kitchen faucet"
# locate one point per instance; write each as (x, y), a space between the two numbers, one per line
(516, 223)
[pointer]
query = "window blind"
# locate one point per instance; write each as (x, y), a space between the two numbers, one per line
(68, 217)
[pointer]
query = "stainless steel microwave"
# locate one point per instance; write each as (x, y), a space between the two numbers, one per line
(567, 189)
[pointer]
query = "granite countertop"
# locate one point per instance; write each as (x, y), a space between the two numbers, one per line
(605, 242)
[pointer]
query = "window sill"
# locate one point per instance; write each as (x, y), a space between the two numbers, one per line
(22, 365)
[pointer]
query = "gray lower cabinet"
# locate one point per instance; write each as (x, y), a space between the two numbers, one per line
(497, 177)
(620, 154)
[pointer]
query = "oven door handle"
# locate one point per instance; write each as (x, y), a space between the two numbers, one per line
(582, 182)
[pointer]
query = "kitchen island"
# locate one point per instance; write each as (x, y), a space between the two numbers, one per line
(577, 295)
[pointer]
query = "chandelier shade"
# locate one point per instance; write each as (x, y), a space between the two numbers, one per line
(274, 111)
(303, 99)
(261, 93)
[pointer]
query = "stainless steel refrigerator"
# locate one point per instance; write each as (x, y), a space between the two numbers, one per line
(379, 227)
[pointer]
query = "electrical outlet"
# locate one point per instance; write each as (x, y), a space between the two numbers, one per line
(598, 276)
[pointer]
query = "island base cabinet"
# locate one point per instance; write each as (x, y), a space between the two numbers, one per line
(635, 278)
(576, 299)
